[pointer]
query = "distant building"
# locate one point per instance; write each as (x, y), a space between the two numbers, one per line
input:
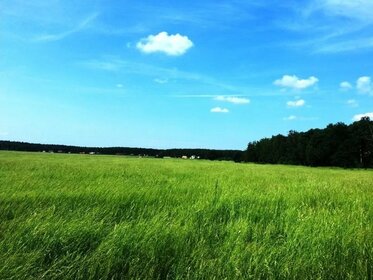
(184, 157)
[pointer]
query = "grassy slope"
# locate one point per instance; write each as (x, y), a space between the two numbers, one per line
(82, 217)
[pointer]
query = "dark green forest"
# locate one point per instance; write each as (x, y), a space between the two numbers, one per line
(336, 145)
(341, 145)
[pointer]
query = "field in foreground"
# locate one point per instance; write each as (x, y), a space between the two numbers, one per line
(107, 217)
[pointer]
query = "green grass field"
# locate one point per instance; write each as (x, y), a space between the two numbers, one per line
(112, 217)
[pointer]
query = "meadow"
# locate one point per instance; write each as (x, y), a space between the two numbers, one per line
(113, 217)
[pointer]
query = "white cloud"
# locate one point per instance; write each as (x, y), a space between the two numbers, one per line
(219, 110)
(112, 66)
(195, 96)
(359, 116)
(290, 118)
(119, 85)
(296, 83)
(162, 42)
(364, 85)
(352, 103)
(160, 81)
(233, 99)
(345, 85)
(296, 103)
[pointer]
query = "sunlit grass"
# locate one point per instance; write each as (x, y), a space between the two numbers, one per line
(107, 217)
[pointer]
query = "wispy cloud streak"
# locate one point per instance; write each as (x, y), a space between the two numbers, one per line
(331, 26)
(83, 25)
(125, 66)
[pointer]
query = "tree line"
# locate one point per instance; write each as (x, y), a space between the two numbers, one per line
(209, 154)
(336, 145)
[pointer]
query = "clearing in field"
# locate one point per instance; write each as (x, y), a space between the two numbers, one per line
(108, 217)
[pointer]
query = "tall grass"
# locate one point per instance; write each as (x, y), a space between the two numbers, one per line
(107, 217)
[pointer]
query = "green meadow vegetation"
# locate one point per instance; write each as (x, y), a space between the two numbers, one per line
(113, 217)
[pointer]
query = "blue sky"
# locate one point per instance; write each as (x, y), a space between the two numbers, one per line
(164, 74)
